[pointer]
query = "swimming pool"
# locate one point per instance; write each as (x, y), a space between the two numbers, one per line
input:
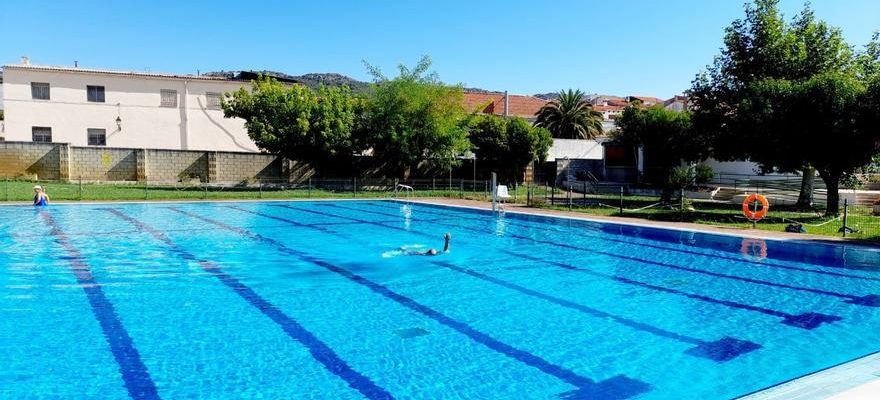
(312, 300)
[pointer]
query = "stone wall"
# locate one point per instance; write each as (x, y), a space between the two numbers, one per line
(103, 164)
(60, 161)
(174, 165)
(32, 160)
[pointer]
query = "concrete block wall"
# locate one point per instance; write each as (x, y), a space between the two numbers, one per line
(103, 164)
(29, 160)
(60, 161)
(238, 167)
(172, 165)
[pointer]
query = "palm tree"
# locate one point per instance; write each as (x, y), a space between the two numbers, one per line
(570, 117)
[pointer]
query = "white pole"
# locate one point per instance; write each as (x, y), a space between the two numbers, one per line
(494, 190)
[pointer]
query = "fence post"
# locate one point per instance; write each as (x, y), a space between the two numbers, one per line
(514, 191)
(552, 194)
(486, 187)
(528, 195)
(206, 190)
(621, 200)
(569, 198)
(6, 187)
(845, 214)
(584, 188)
(461, 188)
(80, 188)
(146, 194)
(433, 184)
(309, 188)
(261, 189)
(354, 186)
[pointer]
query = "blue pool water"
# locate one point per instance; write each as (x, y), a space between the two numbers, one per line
(314, 300)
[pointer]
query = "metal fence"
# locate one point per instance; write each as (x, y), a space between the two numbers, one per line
(194, 189)
(717, 206)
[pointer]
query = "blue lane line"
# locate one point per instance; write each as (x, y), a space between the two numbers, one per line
(318, 349)
(809, 320)
(870, 300)
(618, 387)
(721, 350)
(608, 239)
(134, 373)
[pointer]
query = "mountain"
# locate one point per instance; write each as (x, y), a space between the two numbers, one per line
(311, 80)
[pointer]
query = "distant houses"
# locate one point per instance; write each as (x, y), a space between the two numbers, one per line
(147, 110)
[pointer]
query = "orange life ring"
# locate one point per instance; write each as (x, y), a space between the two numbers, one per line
(755, 215)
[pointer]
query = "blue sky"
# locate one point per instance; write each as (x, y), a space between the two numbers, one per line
(646, 47)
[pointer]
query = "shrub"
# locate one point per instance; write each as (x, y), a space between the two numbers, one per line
(703, 174)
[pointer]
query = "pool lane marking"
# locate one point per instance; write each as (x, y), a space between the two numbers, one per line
(318, 349)
(125, 233)
(809, 320)
(135, 374)
(617, 387)
(870, 300)
(583, 224)
(721, 350)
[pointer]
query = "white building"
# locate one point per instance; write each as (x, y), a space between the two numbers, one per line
(90, 107)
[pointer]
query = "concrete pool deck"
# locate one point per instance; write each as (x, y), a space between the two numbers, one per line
(857, 379)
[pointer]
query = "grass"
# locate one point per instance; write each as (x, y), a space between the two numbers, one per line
(727, 215)
(730, 215)
(22, 191)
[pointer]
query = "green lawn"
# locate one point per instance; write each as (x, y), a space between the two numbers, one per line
(704, 213)
(730, 215)
(18, 191)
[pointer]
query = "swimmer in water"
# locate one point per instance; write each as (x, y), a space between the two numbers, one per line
(40, 197)
(431, 252)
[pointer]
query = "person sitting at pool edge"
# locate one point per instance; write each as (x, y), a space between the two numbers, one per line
(40, 197)
(433, 252)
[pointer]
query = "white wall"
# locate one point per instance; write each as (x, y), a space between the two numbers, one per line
(134, 99)
(576, 149)
(734, 168)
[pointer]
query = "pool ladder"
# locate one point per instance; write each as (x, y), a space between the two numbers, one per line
(408, 190)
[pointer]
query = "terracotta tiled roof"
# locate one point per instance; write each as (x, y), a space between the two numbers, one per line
(493, 103)
(648, 99)
(602, 108)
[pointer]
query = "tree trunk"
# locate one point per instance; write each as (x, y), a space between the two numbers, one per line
(805, 197)
(832, 182)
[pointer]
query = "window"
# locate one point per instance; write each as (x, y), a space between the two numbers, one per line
(213, 100)
(169, 98)
(95, 94)
(41, 134)
(39, 91)
(97, 137)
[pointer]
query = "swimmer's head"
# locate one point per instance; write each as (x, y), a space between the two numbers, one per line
(432, 252)
(38, 189)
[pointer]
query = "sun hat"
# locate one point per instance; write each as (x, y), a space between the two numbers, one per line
(38, 187)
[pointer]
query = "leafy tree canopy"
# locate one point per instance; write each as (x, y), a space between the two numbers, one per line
(571, 116)
(665, 135)
(508, 144)
(414, 118)
(295, 122)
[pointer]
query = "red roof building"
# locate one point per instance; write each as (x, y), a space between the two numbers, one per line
(503, 104)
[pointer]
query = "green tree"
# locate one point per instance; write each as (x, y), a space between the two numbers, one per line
(414, 118)
(507, 144)
(570, 117)
(297, 123)
(666, 137)
(759, 47)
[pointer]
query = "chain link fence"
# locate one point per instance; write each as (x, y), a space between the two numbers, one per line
(720, 205)
(714, 205)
